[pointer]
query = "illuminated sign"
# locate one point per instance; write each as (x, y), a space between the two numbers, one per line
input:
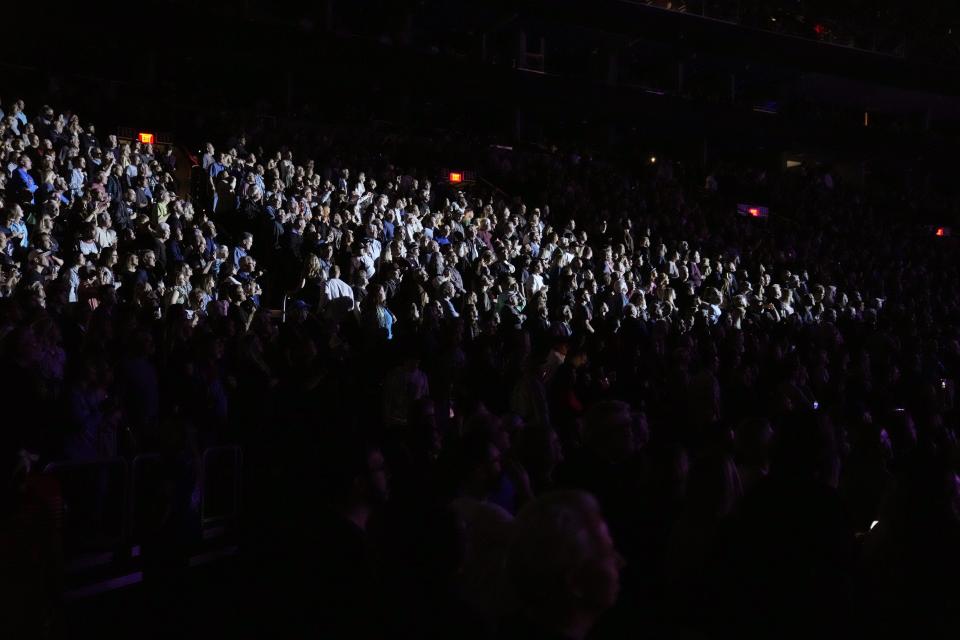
(753, 211)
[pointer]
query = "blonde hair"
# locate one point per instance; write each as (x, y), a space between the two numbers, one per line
(313, 267)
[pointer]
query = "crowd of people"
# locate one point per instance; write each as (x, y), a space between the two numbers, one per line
(604, 403)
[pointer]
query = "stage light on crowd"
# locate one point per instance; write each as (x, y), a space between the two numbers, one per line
(146, 138)
(455, 177)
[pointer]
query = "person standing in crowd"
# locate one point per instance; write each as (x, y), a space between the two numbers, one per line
(726, 392)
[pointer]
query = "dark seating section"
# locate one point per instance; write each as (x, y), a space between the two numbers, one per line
(576, 396)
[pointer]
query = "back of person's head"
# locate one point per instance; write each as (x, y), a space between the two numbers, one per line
(353, 473)
(15, 464)
(753, 439)
(540, 452)
(713, 488)
(440, 547)
(805, 448)
(479, 459)
(608, 430)
(902, 431)
(562, 560)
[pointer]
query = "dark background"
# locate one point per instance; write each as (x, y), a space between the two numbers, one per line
(624, 77)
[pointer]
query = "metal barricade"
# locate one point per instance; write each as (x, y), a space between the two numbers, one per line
(109, 508)
(220, 484)
(94, 508)
(146, 489)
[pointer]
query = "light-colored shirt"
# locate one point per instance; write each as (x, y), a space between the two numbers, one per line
(338, 300)
(376, 248)
(74, 284)
(159, 213)
(77, 177)
(715, 313)
(534, 283)
(337, 288)
(365, 263)
(105, 237)
(21, 227)
(86, 248)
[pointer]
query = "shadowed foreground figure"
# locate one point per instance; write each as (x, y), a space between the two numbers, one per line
(789, 548)
(564, 567)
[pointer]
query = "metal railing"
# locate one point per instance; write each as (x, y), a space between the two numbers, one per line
(109, 507)
(93, 507)
(220, 486)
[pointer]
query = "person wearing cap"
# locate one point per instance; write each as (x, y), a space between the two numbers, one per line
(39, 266)
(298, 311)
